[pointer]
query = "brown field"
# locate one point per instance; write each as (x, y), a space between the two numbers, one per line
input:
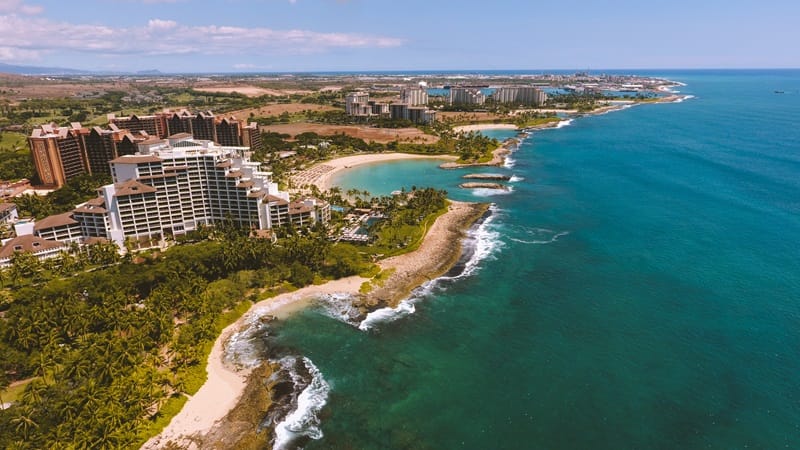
(276, 109)
(17, 88)
(251, 91)
(381, 135)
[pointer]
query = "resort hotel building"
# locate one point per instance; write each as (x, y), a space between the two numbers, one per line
(466, 96)
(414, 96)
(521, 95)
(170, 187)
(412, 106)
(62, 153)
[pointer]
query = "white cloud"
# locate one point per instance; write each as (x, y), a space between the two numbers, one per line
(14, 54)
(168, 37)
(158, 24)
(16, 6)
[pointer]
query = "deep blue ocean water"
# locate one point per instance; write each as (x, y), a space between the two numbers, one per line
(640, 289)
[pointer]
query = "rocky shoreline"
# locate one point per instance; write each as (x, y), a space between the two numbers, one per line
(487, 176)
(483, 186)
(438, 253)
(269, 392)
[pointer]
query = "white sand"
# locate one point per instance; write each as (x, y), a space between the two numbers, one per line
(322, 174)
(485, 126)
(224, 386)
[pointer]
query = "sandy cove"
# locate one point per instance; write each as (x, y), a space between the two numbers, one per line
(223, 389)
(485, 126)
(321, 175)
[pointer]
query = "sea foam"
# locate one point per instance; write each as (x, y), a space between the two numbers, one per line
(564, 123)
(339, 307)
(487, 192)
(383, 315)
(482, 242)
(304, 419)
(682, 99)
(538, 236)
(515, 179)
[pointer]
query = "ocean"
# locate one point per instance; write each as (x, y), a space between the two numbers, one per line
(639, 287)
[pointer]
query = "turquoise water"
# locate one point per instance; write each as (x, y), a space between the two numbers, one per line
(641, 290)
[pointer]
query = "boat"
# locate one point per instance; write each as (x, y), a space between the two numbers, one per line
(780, 92)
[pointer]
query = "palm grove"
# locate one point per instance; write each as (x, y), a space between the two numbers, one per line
(111, 344)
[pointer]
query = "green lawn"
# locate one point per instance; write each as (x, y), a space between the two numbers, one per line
(10, 140)
(13, 393)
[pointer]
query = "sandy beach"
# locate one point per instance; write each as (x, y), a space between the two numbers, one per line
(438, 252)
(321, 175)
(485, 126)
(225, 385)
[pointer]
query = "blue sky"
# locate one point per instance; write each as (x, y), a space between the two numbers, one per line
(318, 35)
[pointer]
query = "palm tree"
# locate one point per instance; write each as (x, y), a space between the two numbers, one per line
(24, 422)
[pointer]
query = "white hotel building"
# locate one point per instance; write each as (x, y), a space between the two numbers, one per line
(523, 95)
(175, 185)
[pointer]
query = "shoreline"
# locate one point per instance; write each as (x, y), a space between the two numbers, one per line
(438, 253)
(224, 386)
(321, 175)
(485, 126)
(208, 409)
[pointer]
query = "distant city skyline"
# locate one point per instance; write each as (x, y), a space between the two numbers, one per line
(183, 36)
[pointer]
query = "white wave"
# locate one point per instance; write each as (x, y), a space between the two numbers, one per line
(515, 179)
(684, 98)
(564, 123)
(486, 192)
(244, 348)
(540, 241)
(339, 307)
(303, 420)
(533, 235)
(383, 315)
(483, 241)
(509, 162)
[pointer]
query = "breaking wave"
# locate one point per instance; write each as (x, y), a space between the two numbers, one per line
(303, 420)
(383, 315)
(538, 236)
(564, 123)
(482, 243)
(682, 99)
(339, 307)
(487, 192)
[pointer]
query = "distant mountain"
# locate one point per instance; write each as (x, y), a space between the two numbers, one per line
(149, 72)
(33, 70)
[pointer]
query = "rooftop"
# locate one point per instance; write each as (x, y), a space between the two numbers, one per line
(133, 187)
(135, 159)
(57, 220)
(28, 243)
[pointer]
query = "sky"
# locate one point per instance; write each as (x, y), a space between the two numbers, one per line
(354, 35)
